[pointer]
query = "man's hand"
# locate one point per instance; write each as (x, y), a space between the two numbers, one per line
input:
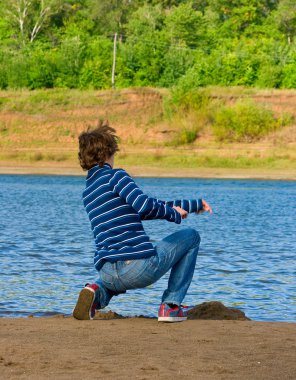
(206, 207)
(181, 211)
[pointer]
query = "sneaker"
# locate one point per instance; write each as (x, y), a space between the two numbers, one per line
(171, 314)
(85, 308)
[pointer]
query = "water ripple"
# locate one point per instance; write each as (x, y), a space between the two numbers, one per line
(246, 259)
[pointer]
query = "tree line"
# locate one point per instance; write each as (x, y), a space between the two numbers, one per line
(70, 43)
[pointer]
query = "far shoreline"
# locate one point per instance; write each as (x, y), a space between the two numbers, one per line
(48, 168)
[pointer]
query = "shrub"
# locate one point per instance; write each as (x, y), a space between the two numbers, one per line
(289, 75)
(186, 136)
(69, 61)
(96, 70)
(188, 111)
(42, 69)
(95, 74)
(186, 96)
(3, 75)
(17, 71)
(245, 121)
(269, 76)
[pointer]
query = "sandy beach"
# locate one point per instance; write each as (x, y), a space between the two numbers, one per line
(7, 167)
(142, 348)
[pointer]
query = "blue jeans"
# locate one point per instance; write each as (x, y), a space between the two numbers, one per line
(177, 252)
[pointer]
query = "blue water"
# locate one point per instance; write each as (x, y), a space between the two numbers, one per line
(247, 255)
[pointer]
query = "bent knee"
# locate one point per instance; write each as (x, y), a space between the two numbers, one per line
(195, 236)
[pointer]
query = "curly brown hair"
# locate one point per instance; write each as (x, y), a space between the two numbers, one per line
(97, 145)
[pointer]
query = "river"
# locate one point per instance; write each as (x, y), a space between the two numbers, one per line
(246, 258)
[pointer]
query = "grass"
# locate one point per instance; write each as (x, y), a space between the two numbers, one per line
(36, 101)
(206, 159)
(164, 159)
(36, 156)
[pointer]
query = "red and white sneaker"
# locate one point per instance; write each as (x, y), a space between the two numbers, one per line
(171, 314)
(85, 308)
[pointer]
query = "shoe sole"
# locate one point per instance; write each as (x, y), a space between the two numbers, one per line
(84, 303)
(171, 319)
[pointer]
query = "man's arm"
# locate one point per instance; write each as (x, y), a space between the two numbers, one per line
(193, 205)
(126, 188)
(190, 205)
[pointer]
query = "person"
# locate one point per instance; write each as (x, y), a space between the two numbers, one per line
(124, 257)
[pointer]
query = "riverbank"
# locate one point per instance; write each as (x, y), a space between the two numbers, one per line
(39, 132)
(141, 348)
(48, 168)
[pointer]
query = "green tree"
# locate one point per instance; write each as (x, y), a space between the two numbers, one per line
(111, 16)
(29, 17)
(285, 17)
(96, 70)
(185, 25)
(146, 45)
(69, 60)
(237, 15)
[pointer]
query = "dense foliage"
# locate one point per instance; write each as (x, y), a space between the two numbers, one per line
(69, 43)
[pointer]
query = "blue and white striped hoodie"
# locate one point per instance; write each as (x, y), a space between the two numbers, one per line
(115, 206)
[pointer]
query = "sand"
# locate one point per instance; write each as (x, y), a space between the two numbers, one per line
(142, 348)
(47, 168)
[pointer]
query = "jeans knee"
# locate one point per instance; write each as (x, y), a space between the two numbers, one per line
(195, 236)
